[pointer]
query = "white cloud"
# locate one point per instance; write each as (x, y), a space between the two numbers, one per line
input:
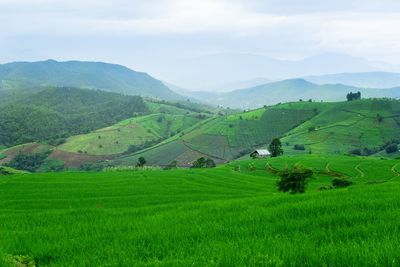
(364, 28)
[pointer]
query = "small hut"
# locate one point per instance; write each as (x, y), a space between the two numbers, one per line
(260, 153)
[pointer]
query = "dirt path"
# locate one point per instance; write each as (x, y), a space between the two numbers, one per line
(395, 172)
(357, 168)
(270, 168)
(327, 167)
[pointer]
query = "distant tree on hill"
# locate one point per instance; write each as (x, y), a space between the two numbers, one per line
(392, 148)
(353, 96)
(172, 165)
(275, 148)
(299, 147)
(294, 180)
(203, 163)
(338, 182)
(28, 162)
(379, 117)
(141, 162)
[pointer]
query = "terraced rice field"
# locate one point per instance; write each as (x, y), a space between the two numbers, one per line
(206, 217)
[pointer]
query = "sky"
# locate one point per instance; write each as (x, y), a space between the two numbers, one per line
(153, 35)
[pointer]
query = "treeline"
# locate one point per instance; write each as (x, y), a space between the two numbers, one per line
(389, 147)
(53, 114)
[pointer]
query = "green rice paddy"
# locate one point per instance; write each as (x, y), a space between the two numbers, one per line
(227, 216)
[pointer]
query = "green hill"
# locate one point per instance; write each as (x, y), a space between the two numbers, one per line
(131, 134)
(225, 138)
(323, 128)
(364, 125)
(80, 74)
(56, 113)
(204, 217)
(289, 91)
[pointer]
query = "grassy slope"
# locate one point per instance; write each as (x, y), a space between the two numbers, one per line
(165, 121)
(215, 217)
(348, 125)
(226, 137)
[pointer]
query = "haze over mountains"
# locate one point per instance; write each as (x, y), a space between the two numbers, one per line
(251, 93)
(210, 72)
(89, 75)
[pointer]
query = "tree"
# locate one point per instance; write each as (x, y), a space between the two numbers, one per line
(141, 162)
(275, 148)
(353, 96)
(294, 180)
(337, 183)
(172, 165)
(203, 163)
(299, 147)
(391, 148)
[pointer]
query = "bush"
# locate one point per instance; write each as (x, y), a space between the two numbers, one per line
(299, 147)
(203, 163)
(311, 129)
(3, 171)
(141, 162)
(392, 148)
(338, 183)
(294, 180)
(356, 152)
(31, 162)
(172, 165)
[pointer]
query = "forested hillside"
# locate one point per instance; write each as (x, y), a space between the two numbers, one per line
(90, 75)
(55, 113)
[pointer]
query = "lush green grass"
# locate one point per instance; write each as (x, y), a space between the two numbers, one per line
(214, 217)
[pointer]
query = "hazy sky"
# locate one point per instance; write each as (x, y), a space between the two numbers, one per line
(146, 34)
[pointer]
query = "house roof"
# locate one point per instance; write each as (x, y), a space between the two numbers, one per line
(263, 152)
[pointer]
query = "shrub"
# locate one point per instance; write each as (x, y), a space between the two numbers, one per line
(391, 148)
(356, 152)
(337, 183)
(299, 147)
(141, 162)
(311, 129)
(172, 165)
(251, 167)
(203, 163)
(30, 162)
(3, 171)
(294, 180)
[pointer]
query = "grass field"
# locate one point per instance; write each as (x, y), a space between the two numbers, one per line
(208, 217)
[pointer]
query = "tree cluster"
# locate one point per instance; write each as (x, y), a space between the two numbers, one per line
(353, 96)
(53, 114)
(294, 180)
(203, 163)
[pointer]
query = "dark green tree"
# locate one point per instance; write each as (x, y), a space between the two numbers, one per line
(294, 180)
(203, 163)
(141, 162)
(275, 148)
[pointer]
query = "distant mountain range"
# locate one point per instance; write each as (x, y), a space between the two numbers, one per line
(286, 91)
(89, 75)
(363, 79)
(211, 72)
